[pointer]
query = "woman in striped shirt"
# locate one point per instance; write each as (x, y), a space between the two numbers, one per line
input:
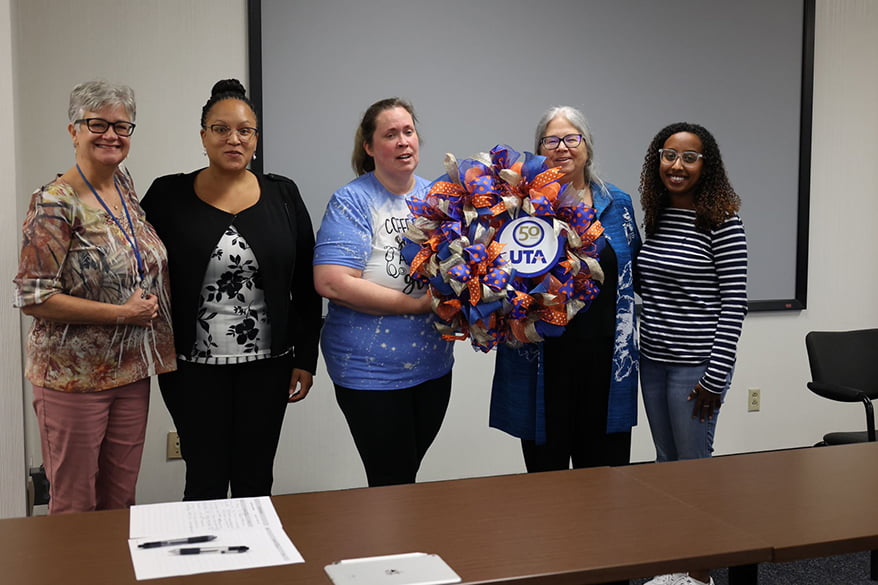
(692, 278)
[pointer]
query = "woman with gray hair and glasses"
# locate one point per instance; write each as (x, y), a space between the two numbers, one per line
(93, 274)
(573, 399)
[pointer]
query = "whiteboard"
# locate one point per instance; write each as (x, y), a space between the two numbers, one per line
(481, 73)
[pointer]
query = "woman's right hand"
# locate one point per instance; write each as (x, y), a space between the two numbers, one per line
(347, 287)
(425, 303)
(140, 309)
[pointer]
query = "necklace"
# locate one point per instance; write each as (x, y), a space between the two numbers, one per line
(132, 238)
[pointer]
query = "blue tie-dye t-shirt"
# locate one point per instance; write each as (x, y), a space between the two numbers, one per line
(362, 229)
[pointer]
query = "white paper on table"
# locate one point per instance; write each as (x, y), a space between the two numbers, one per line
(251, 522)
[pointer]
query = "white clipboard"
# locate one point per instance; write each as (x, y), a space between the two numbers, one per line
(403, 569)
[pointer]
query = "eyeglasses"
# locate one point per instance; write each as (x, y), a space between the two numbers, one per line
(223, 131)
(100, 126)
(553, 142)
(689, 157)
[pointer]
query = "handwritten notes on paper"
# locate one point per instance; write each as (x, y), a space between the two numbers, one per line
(251, 522)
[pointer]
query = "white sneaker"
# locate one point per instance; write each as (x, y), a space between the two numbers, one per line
(677, 579)
(691, 581)
(671, 579)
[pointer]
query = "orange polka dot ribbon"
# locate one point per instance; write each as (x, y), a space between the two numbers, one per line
(451, 245)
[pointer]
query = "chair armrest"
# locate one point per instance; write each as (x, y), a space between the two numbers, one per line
(838, 392)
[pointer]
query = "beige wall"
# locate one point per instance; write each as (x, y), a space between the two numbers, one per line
(171, 51)
(12, 494)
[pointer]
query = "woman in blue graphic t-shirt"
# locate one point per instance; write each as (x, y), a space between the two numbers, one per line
(390, 367)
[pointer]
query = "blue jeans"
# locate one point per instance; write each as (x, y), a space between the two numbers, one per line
(675, 433)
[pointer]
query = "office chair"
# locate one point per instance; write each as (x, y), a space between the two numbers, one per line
(844, 367)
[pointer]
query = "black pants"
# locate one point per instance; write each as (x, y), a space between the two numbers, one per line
(229, 420)
(577, 389)
(394, 428)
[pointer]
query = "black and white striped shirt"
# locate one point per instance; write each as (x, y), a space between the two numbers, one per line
(694, 291)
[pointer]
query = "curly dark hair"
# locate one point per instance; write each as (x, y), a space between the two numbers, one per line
(715, 200)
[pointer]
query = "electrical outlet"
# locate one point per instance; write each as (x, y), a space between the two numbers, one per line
(754, 399)
(174, 446)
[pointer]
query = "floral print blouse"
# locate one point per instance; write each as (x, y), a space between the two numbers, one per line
(232, 319)
(72, 248)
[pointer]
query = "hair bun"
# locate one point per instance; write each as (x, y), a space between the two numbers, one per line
(228, 86)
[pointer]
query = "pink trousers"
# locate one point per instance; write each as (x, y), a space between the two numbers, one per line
(92, 444)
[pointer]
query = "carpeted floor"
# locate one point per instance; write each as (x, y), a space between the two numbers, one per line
(852, 569)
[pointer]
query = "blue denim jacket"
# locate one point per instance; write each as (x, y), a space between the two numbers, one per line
(517, 400)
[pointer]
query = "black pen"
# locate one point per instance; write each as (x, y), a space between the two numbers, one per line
(196, 550)
(189, 540)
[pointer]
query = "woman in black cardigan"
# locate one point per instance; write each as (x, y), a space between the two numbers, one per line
(245, 314)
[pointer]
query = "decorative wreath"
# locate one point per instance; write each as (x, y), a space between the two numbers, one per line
(510, 255)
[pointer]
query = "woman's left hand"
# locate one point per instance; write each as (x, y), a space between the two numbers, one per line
(707, 403)
(300, 383)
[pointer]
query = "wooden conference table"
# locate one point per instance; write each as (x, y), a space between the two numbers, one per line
(805, 503)
(562, 528)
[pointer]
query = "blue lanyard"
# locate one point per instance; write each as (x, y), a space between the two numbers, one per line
(132, 239)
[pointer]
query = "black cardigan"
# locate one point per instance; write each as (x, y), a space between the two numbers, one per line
(278, 230)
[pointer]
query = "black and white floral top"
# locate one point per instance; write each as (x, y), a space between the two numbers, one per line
(232, 321)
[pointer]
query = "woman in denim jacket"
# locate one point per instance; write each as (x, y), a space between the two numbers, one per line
(573, 398)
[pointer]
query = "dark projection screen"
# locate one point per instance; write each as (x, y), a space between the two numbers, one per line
(481, 72)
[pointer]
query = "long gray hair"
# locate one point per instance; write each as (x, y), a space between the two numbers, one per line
(578, 121)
